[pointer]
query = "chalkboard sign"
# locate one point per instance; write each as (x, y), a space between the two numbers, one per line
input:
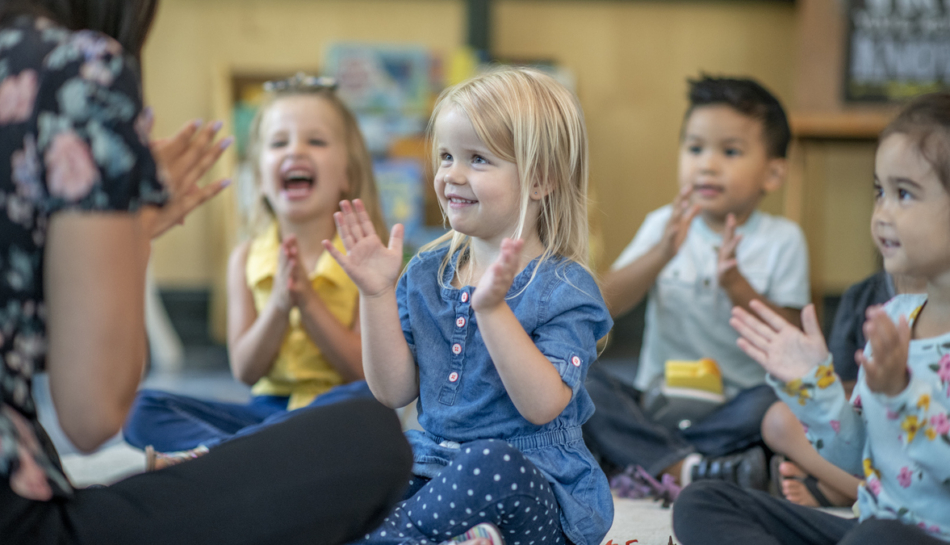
(897, 49)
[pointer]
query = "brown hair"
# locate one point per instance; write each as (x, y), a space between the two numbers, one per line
(126, 21)
(926, 122)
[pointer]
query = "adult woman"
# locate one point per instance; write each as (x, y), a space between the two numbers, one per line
(82, 201)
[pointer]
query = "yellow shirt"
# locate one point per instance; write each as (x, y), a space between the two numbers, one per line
(299, 371)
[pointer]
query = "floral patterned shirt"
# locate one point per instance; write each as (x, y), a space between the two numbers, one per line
(72, 137)
(900, 445)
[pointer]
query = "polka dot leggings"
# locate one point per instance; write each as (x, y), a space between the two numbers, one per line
(488, 481)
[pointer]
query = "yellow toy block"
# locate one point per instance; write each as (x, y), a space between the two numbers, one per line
(702, 374)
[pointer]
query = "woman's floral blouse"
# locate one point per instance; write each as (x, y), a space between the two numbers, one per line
(899, 445)
(71, 138)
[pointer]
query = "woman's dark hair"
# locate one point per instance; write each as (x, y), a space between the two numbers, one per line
(926, 122)
(747, 97)
(127, 21)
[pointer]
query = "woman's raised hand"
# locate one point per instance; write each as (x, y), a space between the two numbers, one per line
(182, 160)
(372, 266)
(785, 351)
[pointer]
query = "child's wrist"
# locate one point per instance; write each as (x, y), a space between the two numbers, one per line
(729, 278)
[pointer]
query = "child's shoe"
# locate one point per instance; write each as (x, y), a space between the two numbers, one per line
(159, 460)
(746, 469)
(485, 530)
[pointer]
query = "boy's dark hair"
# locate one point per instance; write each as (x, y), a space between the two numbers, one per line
(926, 122)
(126, 21)
(749, 98)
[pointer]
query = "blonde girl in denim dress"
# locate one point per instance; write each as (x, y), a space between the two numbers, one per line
(493, 326)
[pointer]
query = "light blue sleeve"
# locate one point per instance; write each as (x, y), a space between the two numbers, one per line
(921, 420)
(832, 424)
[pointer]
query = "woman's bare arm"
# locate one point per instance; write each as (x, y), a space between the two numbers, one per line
(94, 278)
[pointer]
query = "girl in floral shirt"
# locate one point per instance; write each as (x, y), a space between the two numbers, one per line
(895, 431)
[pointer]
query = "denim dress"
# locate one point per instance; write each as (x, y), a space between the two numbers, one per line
(462, 398)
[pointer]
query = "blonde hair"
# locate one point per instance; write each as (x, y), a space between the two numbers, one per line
(526, 117)
(359, 164)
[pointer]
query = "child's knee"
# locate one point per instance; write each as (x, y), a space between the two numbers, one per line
(778, 422)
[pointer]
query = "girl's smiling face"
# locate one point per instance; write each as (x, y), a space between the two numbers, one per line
(911, 220)
(303, 160)
(479, 191)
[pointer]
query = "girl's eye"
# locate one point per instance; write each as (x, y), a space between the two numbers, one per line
(733, 152)
(695, 150)
(478, 159)
(878, 191)
(278, 143)
(903, 194)
(445, 157)
(318, 142)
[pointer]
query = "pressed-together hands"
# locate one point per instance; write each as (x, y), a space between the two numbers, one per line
(372, 266)
(292, 287)
(788, 353)
(182, 160)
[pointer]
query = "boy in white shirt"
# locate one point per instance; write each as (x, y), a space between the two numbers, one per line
(695, 259)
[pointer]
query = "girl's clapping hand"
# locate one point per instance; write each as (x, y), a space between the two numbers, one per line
(886, 370)
(281, 293)
(372, 266)
(785, 351)
(298, 283)
(495, 283)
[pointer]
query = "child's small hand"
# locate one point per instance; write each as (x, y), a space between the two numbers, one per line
(726, 266)
(886, 370)
(785, 351)
(280, 292)
(298, 284)
(372, 266)
(677, 227)
(495, 283)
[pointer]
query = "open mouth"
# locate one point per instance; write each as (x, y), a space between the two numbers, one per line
(887, 246)
(297, 183)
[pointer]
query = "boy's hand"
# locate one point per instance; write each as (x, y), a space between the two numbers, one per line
(372, 266)
(495, 283)
(726, 267)
(886, 371)
(677, 227)
(298, 284)
(782, 349)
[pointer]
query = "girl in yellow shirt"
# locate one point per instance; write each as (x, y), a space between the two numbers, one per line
(293, 324)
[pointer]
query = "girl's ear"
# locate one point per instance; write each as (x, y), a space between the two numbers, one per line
(776, 174)
(539, 191)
